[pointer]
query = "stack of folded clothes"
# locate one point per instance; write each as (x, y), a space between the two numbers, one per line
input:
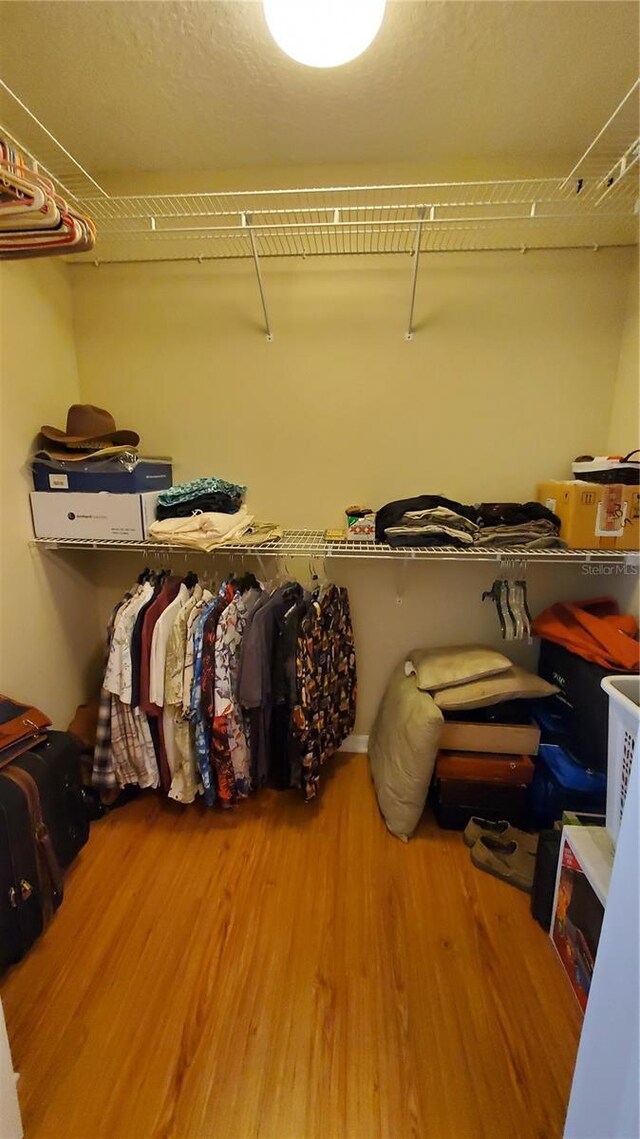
(527, 525)
(428, 520)
(431, 520)
(206, 531)
(201, 496)
(206, 513)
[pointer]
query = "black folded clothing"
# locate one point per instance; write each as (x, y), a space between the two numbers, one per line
(393, 512)
(216, 503)
(424, 540)
(509, 712)
(514, 514)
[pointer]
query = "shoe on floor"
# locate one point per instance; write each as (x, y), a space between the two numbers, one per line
(477, 827)
(505, 859)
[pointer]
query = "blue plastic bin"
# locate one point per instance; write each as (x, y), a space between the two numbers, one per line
(561, 784)
(112, 475)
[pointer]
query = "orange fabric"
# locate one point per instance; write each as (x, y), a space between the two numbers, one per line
(595, 630)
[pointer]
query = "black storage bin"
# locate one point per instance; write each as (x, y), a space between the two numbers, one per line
(584, 705)
(455, 802)
(544, 878)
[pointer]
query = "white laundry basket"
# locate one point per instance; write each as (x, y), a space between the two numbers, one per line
(624, 742)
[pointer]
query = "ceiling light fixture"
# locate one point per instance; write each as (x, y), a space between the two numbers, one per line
(324, 33)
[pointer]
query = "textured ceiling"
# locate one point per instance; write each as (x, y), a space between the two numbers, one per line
(134, 86)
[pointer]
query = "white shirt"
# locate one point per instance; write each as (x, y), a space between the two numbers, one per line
(159, 646)
(117, 677)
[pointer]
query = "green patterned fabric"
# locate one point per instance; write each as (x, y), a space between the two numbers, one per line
(181, 492)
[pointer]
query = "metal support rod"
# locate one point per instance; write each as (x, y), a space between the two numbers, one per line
(256, 261)
(414, 283)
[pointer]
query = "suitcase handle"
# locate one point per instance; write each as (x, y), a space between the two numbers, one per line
(48, 866)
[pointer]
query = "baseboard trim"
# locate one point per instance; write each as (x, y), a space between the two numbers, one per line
(359, 744)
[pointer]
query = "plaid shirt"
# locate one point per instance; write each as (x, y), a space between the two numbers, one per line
(103, 774)
(133, 758)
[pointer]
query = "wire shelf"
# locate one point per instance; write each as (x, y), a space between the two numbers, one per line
(312, 544)
(607, 170)
(594, 205)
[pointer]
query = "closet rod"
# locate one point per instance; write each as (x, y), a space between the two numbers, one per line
(587, 246)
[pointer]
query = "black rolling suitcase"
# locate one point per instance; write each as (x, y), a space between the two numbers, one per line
(43, 825)
(30, 874)
(21, 909)
(55, 767)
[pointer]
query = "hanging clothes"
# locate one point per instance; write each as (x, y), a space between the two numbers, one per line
(324, 714)
(221, 694)
(222, 787)
(103, 773)
(202, 722)
(176, 728)
(230, 737)
(132, 757)
(255, 679)
(186, 782)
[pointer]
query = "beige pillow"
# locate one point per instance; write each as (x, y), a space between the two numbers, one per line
(403, 746)
(516, 684)
(442, 668)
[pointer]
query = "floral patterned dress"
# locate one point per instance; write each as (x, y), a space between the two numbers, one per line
(230, 733)
(324, 714)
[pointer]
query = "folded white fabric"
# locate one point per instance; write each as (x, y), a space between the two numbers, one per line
(258, 532)
(202, 531)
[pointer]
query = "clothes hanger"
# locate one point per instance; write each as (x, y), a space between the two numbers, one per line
(498, 595)
(519, 604)
(23, 195)
(510, 599)
(314, 580)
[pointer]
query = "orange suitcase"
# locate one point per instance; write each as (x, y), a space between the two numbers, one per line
(484, 767)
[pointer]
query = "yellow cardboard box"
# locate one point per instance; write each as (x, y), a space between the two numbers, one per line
(594, 516)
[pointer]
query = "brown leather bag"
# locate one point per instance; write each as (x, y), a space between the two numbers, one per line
(21, 727)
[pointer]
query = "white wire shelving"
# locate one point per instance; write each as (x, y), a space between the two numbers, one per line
(594, 205)
(312, 544)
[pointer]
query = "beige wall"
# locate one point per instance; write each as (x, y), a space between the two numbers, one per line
(509, 377)
(48, 616)
(624, 431)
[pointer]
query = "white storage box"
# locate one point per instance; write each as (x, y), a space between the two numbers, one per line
(624, 734)
(582, 885)
(126, 517)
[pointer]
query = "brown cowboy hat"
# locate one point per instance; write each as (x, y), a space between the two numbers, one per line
(90, 427)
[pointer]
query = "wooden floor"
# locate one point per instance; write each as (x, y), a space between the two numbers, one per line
(286, 971)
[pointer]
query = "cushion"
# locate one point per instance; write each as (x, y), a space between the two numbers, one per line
(442, 668)
(402, 751)
(515, 684)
